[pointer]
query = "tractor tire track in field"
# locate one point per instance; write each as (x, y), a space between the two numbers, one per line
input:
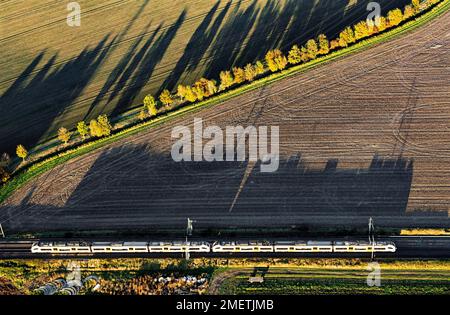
(366, 135)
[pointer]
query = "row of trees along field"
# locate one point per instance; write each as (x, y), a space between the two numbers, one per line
(275, 60)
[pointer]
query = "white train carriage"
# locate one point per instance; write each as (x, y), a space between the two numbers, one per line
(178, 247)
(303, 247)
(119, 247)
(363, 247)
(242, 247)
(199, 247)
(61, 247)
(385, 247)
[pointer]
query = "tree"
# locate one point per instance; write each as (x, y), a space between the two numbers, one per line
(259, 67)
(211, 87)
(181, 92)
(250, 72)
(105, 125)
(408, 12)
(280, 59)
(361, 30)
(395, 17)
(21, 152)
(239, 75)
(204, 88)
(270, 61)
(346, 37)
(304, 56)
(324, 45)
(226, 80)
(95, 129)
(334, 44)
(190, 95)
(82, 129)
(276, 60)
(150, 105)
(294, 56)
(142, 115)
(416, 5)
(166, 98)
(311, 46)
(382, 24)
(64, 135)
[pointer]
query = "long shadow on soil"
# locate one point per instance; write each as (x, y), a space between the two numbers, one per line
(133, 187)
(29, 107)
(44, 91)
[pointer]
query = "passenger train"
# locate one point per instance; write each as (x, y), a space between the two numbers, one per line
(216, 247)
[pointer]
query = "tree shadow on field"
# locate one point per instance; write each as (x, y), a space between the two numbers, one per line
(42, 94)
(119, 69)
(248, 33)
(198, 44)
(39, 96)
(134, 187)
(141, 67)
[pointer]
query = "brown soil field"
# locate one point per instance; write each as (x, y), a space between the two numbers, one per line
(367, 135)
(53, 75)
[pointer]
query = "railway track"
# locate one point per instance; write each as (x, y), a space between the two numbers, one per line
(408, 247)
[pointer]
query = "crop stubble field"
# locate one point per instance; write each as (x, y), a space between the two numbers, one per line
(364, 136)
(54, 75)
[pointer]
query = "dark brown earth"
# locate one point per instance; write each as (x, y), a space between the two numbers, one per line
(368, 135)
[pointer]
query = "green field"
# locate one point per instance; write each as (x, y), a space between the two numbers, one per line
(341, 281)
(54, 75)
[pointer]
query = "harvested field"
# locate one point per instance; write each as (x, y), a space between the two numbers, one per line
(367, 135)
(54, 75)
